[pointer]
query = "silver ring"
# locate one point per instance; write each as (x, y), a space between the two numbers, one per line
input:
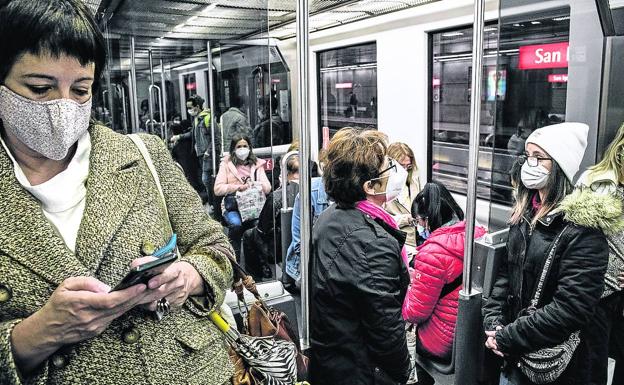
(163, 307)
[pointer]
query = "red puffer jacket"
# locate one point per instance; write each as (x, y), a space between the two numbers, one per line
(438, 261)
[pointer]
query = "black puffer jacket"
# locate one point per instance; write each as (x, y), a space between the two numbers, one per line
(357, 285)
(569, 299)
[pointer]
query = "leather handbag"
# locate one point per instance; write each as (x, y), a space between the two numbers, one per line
(260, 320)
(546, 365)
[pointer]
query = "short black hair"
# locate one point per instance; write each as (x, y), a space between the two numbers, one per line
(196, 101)
(55, 27)
(436, 204)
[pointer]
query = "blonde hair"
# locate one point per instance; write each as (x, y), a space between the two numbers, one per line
(613, 158)
(397, 150)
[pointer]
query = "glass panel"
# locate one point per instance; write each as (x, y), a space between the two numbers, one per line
(524, 91)
(347, 89)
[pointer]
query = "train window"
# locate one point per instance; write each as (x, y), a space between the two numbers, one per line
(524, 88)
(347, 79)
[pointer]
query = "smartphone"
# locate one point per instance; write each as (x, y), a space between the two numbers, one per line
(143, 273)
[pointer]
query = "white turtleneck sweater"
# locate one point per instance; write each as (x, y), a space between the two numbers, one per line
(62, 198)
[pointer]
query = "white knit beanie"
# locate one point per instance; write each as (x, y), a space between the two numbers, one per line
(565, 143)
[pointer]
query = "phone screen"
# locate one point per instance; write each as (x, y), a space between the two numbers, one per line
(143, 273)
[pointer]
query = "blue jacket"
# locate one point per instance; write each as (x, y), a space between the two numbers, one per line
(320, 202)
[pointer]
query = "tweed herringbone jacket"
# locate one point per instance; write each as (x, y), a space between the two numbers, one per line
(123, 213)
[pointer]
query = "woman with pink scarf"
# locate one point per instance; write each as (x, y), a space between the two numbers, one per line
(358, 268)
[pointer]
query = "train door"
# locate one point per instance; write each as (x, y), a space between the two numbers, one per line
(536, 70)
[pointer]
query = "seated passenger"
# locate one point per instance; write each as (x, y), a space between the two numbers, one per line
(400, 207)
(574, 282)
(358, 272)
(431, 301)
(238, 171)
(320, 202)
(263, 244)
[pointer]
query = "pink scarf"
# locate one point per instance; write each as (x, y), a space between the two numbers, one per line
(377, 212)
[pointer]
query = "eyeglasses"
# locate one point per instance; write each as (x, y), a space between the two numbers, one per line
(533, 161)
(407, 166)
(391, 166)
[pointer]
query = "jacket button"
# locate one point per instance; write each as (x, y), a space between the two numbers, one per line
(131, 336)
(5, 293)
(59, 361)
(148, 248)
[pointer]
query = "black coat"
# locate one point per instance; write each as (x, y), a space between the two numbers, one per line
(568, 302)
(357, 285)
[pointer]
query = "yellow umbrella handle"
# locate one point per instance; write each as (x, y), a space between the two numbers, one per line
(219, 322)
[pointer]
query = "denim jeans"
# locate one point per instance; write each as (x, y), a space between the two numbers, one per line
(235, 230)
(505, 381)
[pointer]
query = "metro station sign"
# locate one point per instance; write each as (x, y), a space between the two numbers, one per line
(558, 78)
(544, 56)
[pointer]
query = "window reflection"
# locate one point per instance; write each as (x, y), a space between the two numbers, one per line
(524, 88)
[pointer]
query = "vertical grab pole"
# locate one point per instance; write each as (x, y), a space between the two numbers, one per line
(134, 102)
(469, 344)
(303, 68)
(211, 99)
(150, 95)
(163, 105)
(473, 157)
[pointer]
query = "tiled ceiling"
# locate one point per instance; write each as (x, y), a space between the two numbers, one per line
(234, 19)
(178, 29)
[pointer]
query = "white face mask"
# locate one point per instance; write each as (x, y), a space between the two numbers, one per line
(534, 178)
(242, 153)
(396, 181)
(50, 128)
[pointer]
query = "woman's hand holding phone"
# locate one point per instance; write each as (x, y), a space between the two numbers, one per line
(176, 283)
(79, 309)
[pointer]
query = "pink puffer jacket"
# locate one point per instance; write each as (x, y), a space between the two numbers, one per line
(439, 261)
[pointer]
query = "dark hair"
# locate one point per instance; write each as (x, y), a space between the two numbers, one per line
(558, 186)
(251, 159)
(196, 101)
(352, 158)
(55, 27)
(176, 128)
(436, 204)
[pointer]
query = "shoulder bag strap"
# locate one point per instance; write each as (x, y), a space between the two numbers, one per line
(451, 286)
(138, 142)
(546, 269)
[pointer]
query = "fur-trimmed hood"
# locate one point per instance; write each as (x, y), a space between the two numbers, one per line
(589, 208)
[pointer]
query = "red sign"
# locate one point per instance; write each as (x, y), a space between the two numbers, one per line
(436, 82)
(268, 164)
(558, 78)
(191, 86)
(344, 85)
(542, 56)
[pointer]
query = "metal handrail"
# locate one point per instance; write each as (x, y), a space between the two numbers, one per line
(284, 174)
(303, 43)
(163, 100)
(212, 110)
(133, 87)
(473, 157)
(150, 97)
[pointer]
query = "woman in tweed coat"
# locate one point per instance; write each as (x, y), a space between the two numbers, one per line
(59, 322)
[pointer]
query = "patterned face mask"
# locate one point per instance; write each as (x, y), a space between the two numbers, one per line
(49, 128)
